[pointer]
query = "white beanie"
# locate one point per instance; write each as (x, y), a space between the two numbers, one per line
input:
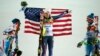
(47, 10)
(9, 29)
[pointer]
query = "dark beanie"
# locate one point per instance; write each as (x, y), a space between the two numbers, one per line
(15, 21)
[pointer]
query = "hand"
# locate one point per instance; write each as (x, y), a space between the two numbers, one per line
(68, 11)
(15, 50)
(79, 44)
(19, 52)
(41, 16)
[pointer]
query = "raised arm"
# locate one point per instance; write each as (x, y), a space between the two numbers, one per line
(61, 15)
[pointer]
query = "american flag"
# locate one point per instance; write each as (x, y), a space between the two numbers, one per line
(61, 26)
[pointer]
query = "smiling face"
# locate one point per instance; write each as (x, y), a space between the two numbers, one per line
(47, 14)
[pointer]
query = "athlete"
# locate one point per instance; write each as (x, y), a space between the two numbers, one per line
(11, 33)
(47, 32)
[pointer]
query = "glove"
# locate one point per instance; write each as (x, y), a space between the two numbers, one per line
(19, 52)
(68, 11)
(79, 44)
(15, 50)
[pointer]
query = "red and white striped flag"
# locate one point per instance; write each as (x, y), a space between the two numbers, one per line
(61, 26)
